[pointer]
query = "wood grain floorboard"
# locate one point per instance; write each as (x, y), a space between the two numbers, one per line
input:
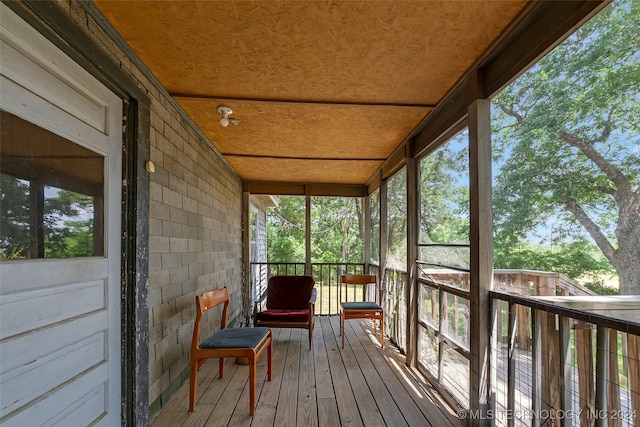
(360, 385)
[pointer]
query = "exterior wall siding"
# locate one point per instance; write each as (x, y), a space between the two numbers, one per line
(195, 230)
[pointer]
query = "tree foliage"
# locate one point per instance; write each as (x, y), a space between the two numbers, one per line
(337, 230)
(286, 230)
(444, 193)
(67, 223)
(567, 133)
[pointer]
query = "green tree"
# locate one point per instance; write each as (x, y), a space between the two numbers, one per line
(286, 230)
(67, 222)
(68, 225)
(337, 229)
(14, 218)
(444, 193)
(568, 133)
(397, 221)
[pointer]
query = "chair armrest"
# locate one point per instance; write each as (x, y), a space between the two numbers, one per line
(314, 294)
(261, 298)
(257, 302)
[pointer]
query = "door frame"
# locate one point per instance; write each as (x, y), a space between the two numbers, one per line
(59, 28)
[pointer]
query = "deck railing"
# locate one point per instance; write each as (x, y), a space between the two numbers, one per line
(573, 367)
(444, 316)
(391, 289)
(548, 362)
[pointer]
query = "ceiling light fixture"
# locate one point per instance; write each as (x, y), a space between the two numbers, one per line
(225, 112)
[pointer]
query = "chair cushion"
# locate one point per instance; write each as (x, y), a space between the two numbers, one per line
(235, 338)
(365, 305)
(289, 292)
(283, 316)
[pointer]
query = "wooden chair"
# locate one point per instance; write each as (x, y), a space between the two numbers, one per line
(227, 342)
(360, 309)
(290, 304)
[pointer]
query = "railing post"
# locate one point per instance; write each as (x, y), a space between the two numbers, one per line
(566, 384)
(584, 359)
(633, 370)
(536, 368)
(602, 375)
(442, 320)
(511, 364)
(496, 325)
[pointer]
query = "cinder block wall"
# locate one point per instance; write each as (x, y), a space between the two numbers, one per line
(195, 243)
(195, 227)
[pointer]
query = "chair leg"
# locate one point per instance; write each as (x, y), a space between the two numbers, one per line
(221, 367)
(252, 383)
(310, 335)
(193, 381)
(382, 330)
(269, 349)
(342, 328)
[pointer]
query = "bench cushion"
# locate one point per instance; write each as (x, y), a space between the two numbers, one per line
(273, 315)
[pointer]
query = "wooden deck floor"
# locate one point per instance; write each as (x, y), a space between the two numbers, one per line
(361, 385)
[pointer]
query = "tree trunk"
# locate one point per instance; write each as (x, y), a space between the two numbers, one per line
(627, 264)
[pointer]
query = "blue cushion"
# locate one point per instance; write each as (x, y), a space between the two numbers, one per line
(235, 338)
(366, 305)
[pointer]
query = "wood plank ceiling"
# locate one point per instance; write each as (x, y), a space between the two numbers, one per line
(324, 92)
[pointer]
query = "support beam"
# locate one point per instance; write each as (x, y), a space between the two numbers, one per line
(246, 256)
(411, 289)
(366, 227)
(307, 234)
(299, 189)
(481, 254)
(384, 248)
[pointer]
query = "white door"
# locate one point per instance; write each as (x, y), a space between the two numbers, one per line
(59, 314)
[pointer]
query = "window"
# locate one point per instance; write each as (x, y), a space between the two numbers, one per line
(51, 195)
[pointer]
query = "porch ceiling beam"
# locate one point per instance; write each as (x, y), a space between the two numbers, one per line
(545, 25)
(342, 159)
(178, 96)
(308, 189)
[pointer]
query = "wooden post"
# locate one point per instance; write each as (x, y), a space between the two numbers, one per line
(246, 257)
(511, 363)
(584, 358)
(555, 368)
(614, 380)
(411, 286)
(384, 247)
(434, 306)
(537, 362)
(307, 233)
(566, 383)
(633, 371)
(367, 237)
(602, 375)
(481, 250)
(523, 321)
